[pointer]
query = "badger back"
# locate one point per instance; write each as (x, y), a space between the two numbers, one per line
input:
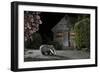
(44, 48)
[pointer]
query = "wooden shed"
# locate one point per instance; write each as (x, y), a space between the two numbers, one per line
(61, 33)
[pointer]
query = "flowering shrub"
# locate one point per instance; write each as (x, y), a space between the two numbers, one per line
(31, 24)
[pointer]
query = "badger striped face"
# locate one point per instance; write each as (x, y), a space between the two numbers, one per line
(47, 49)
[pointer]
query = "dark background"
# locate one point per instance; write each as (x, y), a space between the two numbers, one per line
(49, 21)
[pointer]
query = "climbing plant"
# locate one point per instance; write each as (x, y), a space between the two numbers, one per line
(82, 33)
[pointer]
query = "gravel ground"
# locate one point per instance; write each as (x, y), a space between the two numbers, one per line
(35, 55)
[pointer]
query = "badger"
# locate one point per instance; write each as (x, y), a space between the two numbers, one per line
(47, 50)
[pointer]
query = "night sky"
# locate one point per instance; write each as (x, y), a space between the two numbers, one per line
(49, 21)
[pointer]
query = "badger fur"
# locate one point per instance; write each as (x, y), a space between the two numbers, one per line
(47, 50)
